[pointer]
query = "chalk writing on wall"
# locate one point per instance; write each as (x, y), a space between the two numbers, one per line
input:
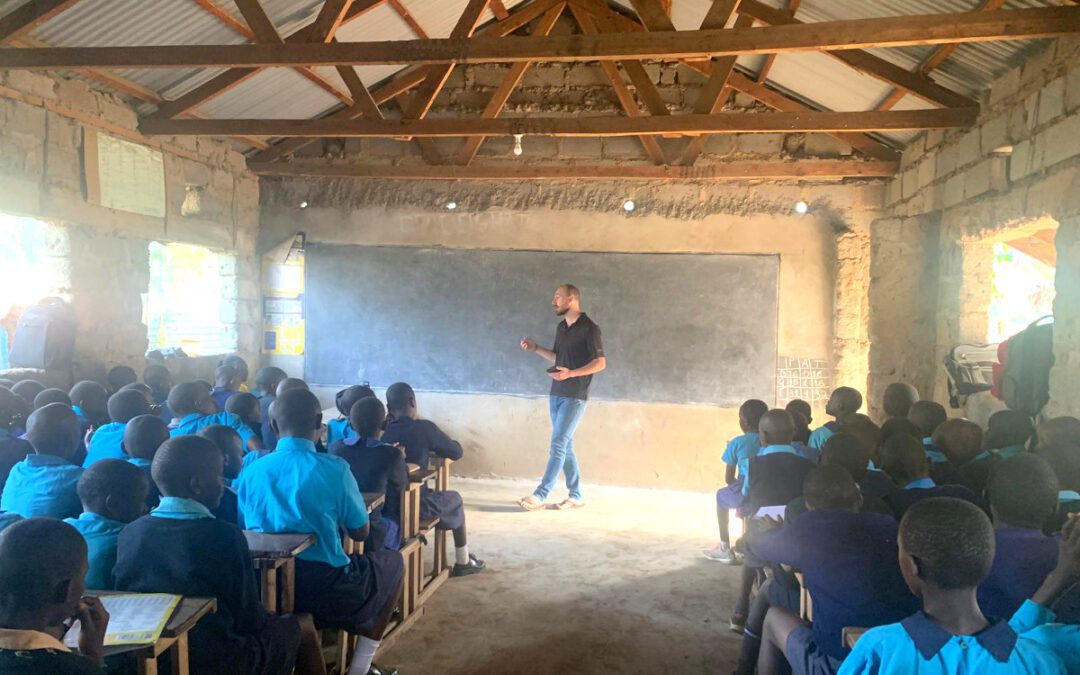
(805, 378)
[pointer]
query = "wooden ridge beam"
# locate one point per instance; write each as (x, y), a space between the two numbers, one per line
(800, 169)
(607, 126)
(828, 36)
(29, 16)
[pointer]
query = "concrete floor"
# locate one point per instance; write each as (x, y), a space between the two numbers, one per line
(617, 587)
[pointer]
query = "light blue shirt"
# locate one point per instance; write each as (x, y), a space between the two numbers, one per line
(191, 424)
(100, 534)
(179, 508)
(1035, 622)
(935, 456)
(338, 430)
(1065, 496)
(42, 485)
(295, 489)
(921, 484)
(140, 462)
(105, 444)
(819, 436)
(739, 450)
(918, 646)
(806, 452)
(1010, 451)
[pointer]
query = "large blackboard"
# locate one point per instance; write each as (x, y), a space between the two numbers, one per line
(677, 328)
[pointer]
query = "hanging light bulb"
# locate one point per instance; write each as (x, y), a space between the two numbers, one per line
(801, 207)
(517, 144)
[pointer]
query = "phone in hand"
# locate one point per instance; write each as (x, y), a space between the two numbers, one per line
(553, 369)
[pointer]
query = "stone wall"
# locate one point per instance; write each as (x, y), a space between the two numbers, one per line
(104, 251)
(1016, 171)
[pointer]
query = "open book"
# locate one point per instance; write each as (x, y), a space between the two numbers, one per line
(134, 618)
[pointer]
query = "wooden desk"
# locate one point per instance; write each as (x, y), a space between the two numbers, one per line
(422, 475)
(374, 500)
(174, 638)
(274, 554)
(851, 635)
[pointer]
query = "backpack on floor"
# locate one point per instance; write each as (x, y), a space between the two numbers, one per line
(1025, 379)
(44, 337)
(970, 369)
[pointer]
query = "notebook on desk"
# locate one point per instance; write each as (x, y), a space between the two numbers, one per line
(134, 618)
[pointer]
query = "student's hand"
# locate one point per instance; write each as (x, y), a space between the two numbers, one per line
(399, 446)
(94, 620)
(561, 374)
(767, 523)
(528, 344)
(1069, 548)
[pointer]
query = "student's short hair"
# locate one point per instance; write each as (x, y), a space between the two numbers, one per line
(184, 397)
(143, 435)
(242, 405)
(110, 477)
(118, 376)
(36, 554)
(1023, 491)
(291, 384)
(142, 388)
(235, 361)
(180, 458)
(222, 437)
(776, 426)
(367, 416)
(51, 395)
(1064, 430)
(958, 439)
(800, 406)
(847, 451)
(863, 428)
(1008, 427)
(927, 416)
(898, 399)
(1065, 461)
(54, 430)
(296, 411)
(12, 408)
(88, 393)
(802, 426)
(899, 425)
(850, 397)
(830, 488)
(571, 290)
(156, 375)
(127, 404)
(903, 458)
(268, 378)
(347, 397)
(27, 390)
(751, 410)
(951, 540)
(398, 396)
(224, 374)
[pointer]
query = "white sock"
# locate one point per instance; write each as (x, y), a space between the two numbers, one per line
(363, 656)
(462, 553)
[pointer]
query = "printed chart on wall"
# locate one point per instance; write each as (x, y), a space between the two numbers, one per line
(283, 304)
(122, 175)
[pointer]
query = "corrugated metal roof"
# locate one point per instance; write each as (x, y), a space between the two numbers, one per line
(815, 78)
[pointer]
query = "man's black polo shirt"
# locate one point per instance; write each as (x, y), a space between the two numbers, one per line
(576, 346)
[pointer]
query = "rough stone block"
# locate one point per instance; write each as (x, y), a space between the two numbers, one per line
(1005, 86)
(585, 75)
(926, 171)
(954, 190)
(1031, 110)
(1072, 90)
(1051, 101)
(489, 75)
(994, 133)
(909, 183)
(1062, 141)
(31, 83)
(24, 118)
(76, 94)
(719, 145)
(589, 147)
(934, 138)
(744, 101)
(945, 162)
(654, 71)
(760, 144)
(968, 148)
(1020, 160)
(822, 145)
(977, 179)
(1017, 124)
(544, 75)
(622, 147)
(894, 192)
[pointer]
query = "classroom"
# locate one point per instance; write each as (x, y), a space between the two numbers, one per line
(800, 280)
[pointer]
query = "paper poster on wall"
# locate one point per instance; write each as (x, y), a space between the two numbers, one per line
(123, 175)
(283, 306)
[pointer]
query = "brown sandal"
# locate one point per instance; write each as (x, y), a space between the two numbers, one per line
(569, 503)
(531, 503)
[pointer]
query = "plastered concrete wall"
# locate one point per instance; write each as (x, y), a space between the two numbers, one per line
(103, 252)
(959, 192)
(639, 444)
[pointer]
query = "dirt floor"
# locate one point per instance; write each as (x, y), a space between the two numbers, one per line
(617, 587)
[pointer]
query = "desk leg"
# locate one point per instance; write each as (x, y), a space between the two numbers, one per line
(148, 665)
(180, 656)
(269, 590)
(288, 586)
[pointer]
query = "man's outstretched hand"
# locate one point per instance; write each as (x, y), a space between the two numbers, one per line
(528, 344)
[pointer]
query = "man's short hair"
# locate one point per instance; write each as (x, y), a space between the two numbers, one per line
(863, 428)
(36, 554)
(951, 540)
(850, 397)
(899, 425)
(1023, 491)
(898, 399)
(143, 435)
(178, 460)
(127, 404)
(1008, 427)
(291, 384)
(847, 451)
(571, 290)
(51, 395)
(54, 430)
(800, 406)
(367, 416)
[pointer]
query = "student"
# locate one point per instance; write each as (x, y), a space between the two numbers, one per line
(49, 396)
(143, 435)
(143, 389)
(1065, 462)
(160, 381)
(226, 383)
(377, 467)
(904, 459)
(192, 403)
(289, 384)
(802, 426)
(898, 399)
(228, 442)
(267, 380)
(846, 451)
(1007, 433)
(181, 548)
(421, 439)
(848, 560)
(241, 367)
(113, 493)
(90, 401)
(1023, 495)
(1058, 431)
(967, 464)
(802, 434)
(108, 440)
(27, 390)
(247, 408)
(843, 402)
(42, 566)
(295, 489)
(44, 484)
(12, 449)
(875, 482)
(736, 458)
(119, 377)
(946, 548)
(928, 416)
(340, 429)
(896, 425)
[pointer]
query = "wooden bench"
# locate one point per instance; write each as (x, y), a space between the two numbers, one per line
(173, 639)
(274, 557)
(851, 635)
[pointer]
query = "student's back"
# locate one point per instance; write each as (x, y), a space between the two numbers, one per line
(421, 439)
(44, 483)
(378, 467)
(107, 441)
(904, 459)
(776, 478)
(903, 499)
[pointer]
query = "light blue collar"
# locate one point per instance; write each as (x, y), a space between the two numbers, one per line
(178, 508)
(140, 462)
(921, 484)
(776, 449)
(1068, 496)
(190, 418)
(288, 443)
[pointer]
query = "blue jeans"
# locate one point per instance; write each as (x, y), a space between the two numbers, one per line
(565, 416)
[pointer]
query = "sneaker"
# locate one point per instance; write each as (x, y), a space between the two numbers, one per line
(722, 553)
(379, 670)
(474, 566)
(737, 623)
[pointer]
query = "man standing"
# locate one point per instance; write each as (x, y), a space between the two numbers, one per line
(577, 355)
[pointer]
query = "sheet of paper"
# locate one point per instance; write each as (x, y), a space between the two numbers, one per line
(771, 511)
(134, 619)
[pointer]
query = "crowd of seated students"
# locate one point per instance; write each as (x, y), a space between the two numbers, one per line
(146, 487)
(953, 548)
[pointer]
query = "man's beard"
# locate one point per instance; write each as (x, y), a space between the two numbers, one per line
(561, 312)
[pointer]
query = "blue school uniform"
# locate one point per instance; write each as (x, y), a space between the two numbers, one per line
(42, 485)
(935, 455)
(1023, 557)
(1038, 624)
(269, 438)
(191, 424)
(100, 534)
(105, 443)
(806, 452)
(8, 519)
(821, 434)
(338, 430)
(221, 395)
(12, 451)
(1010, 451)
(739, 450)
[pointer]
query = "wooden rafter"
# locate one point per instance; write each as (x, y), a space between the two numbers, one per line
(409, 19)
(639, 77)
(630, 125)
(854, 34)
(509, 82)
(516, 171)
(29, 16)
(770, 60)
(499, 10)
